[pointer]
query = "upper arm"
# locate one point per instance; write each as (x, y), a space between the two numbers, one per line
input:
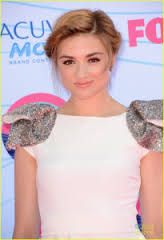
(27, 217)
(150, 195)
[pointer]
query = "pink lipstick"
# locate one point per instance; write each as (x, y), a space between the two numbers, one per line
(83, 84)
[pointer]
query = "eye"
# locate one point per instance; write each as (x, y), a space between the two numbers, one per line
(67, 62)
(94, 59)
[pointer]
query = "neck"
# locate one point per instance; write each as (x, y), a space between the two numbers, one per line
(99, 105)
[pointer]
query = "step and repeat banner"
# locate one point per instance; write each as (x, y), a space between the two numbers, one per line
(28, 75)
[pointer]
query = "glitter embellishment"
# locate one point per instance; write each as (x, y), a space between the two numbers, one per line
(139, 116)
(30, 124)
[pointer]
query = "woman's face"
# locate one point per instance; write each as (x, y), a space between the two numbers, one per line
(80, 59)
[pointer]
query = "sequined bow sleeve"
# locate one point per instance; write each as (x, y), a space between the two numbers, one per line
(30, 124)
(139, 116)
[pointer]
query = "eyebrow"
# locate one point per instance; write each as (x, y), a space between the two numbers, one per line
(88, 55)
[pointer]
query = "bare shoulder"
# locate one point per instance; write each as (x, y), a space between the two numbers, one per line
(23, 159)
(152, 157)
(20, 151)
(118, 107)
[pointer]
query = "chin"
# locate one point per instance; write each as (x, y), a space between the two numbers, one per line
(84, 95)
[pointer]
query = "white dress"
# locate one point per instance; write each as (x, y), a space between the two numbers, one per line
(88, 178)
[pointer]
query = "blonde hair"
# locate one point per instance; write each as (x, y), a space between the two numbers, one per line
(84, 21)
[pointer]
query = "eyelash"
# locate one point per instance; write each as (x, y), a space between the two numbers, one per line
(97, 60)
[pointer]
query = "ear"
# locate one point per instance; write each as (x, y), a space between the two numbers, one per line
(113, 61)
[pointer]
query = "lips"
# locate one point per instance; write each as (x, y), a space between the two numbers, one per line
(83, 84)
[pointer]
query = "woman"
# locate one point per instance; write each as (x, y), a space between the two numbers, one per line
(80, 169)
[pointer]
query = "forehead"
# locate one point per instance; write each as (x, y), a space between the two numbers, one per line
(81, 44)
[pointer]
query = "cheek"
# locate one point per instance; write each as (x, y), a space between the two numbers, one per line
(66, 73)
(66, 77)
(100, 71)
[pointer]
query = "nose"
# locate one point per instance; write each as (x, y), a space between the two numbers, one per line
(82, 70)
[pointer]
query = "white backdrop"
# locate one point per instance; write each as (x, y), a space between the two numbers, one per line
(27, 73)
